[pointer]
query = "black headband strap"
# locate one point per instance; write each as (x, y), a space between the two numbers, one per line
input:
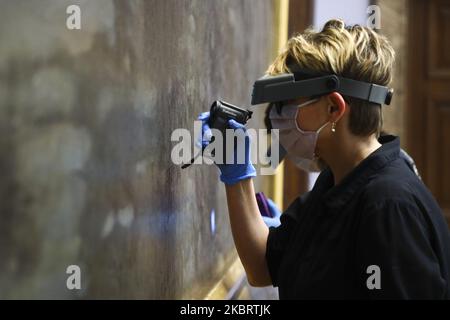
(286, 87)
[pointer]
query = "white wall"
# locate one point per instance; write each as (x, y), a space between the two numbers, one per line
(351, 11)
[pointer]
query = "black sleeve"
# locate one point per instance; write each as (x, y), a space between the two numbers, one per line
(394, 236)
(279, 237)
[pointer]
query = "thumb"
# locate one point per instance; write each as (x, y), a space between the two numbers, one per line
(235, 125)
(203, 116)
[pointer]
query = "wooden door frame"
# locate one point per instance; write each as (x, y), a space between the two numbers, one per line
(423, 96)
(295, 180)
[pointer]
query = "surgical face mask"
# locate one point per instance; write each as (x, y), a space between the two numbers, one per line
(299, 144)
(315, 165)
(305, 164)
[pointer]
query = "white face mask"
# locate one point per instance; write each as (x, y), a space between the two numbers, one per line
(306, 164)
(300, 145)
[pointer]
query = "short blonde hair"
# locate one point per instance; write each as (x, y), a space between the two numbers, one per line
(354, 52)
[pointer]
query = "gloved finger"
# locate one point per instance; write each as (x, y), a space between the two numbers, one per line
(273, 208)
(235, 125)
(205, 137)
(203, 116)
(206, 132)
(201, 143)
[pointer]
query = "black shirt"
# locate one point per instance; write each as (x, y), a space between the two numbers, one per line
(381, 215)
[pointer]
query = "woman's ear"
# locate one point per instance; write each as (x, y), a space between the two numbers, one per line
(337, 106)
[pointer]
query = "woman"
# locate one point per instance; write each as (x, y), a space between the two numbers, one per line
(369, 228)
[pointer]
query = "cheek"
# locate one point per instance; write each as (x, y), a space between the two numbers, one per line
(307, 119)
(324, 137)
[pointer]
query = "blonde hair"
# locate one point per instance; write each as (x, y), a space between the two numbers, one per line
(354, 52)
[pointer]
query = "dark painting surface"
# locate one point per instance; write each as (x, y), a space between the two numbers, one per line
(86, 118)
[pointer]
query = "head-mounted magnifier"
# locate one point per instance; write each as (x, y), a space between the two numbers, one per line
(305, 83)
(294, 85)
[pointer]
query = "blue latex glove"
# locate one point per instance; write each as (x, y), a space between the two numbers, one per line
(276, 213)
(230, 173)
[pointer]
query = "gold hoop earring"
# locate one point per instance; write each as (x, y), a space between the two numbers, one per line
(333, 127)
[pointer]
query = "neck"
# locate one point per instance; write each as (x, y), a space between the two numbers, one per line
(350, 155)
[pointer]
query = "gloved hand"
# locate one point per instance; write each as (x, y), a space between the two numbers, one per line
(230, 173)
(276, 213)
